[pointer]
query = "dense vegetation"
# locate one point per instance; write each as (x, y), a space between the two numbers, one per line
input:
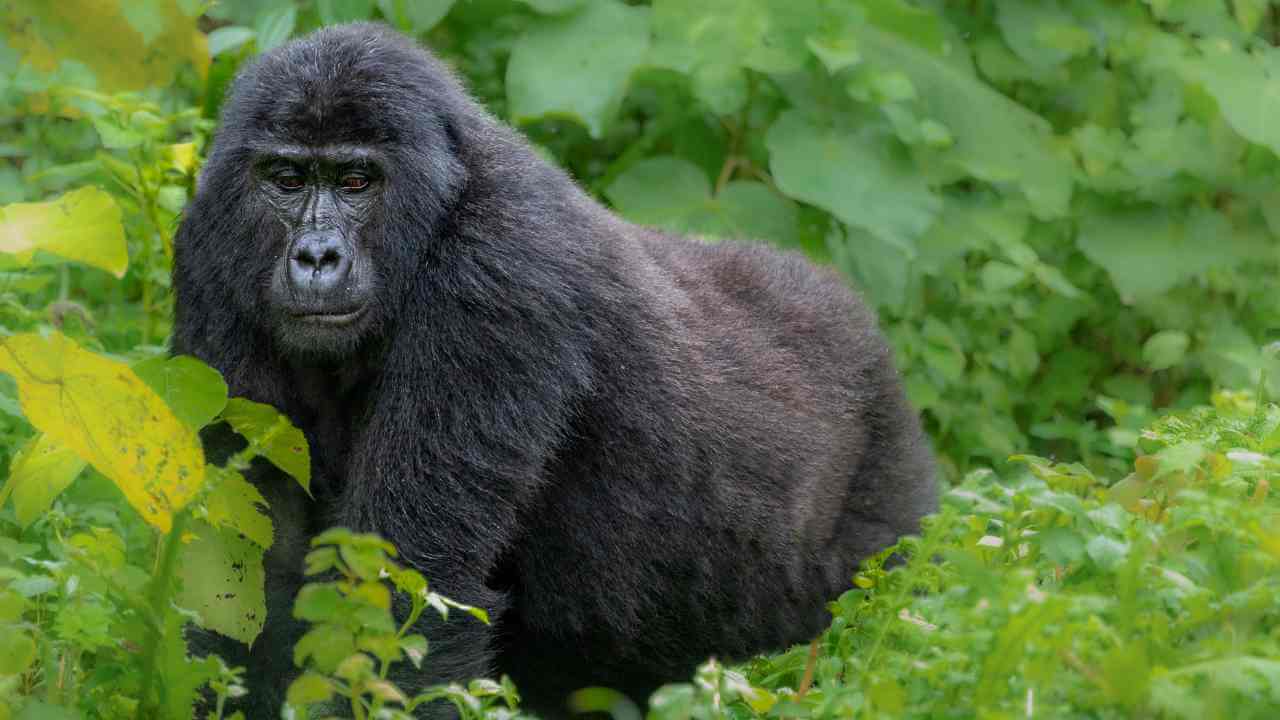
(1066, 214)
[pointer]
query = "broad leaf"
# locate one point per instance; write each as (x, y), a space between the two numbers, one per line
(39, 472)
(194, 391)
(271, 435)
(223, 581)
(105, 413)
(597, 46)
(82, 225)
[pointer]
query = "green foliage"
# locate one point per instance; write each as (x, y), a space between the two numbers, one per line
(354, 639)
(1064, 212)
(1057, 593)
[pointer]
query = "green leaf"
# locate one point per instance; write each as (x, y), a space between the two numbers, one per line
(713, 41)
(673, 193)
(39, 472)
(271, 435)
(17, 652)
(194, 391)
(598, 46)
(317, 603)
(309, 688)
(1165, 349)
(856, 176)
(553, 7)
(994, 138)
(1106, 552)
(82, 225)
(273, 26)
(237, 504)
(1148, 250)
(226, 39)
(999, 276)
(342, 11)
(1063, 546)
(223, 581)
(415, 16)
(1246, 86)
(324, 646)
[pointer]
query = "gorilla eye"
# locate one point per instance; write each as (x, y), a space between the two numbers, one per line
(289, 181)
(354, 182)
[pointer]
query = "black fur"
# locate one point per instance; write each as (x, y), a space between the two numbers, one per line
(634, 449)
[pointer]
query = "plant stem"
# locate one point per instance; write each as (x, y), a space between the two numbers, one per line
(161, 585)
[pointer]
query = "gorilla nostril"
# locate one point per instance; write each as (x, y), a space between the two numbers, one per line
(317, 263)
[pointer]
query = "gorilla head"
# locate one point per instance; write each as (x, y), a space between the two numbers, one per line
(311, 165)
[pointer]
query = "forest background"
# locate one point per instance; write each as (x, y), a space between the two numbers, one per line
(1067, 215)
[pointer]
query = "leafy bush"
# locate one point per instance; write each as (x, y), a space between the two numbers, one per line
(1065, 213)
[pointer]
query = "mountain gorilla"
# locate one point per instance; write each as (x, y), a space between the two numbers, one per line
(635, 450)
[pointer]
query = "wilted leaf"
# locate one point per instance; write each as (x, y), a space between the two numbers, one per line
(223, 581)
(82, 225)
(105, 413)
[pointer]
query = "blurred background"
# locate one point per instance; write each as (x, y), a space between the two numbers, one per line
(1065, 213)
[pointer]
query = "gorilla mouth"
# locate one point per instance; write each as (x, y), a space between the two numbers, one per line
(331, 319)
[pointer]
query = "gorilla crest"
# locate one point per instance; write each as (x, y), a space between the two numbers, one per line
(634, 449)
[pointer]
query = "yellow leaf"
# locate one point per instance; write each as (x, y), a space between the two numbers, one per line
(41, 470)
(82, 225)
(181, 157)
(127, 46)
(105, 413)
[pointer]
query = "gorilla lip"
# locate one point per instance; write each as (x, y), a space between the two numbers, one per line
(343, 318)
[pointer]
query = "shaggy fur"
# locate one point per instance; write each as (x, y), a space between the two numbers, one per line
(634, 449)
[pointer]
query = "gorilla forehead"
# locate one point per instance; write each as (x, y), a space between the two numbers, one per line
(358, 83)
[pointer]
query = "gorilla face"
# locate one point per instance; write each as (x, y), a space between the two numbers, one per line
(321, 292)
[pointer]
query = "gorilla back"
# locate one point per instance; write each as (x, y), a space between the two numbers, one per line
(634, 449)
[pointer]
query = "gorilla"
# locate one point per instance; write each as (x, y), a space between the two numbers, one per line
(635, 450)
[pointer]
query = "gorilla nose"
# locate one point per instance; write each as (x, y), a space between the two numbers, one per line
(318, 263)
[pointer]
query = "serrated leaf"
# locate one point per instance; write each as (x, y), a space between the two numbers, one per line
(271, 435)
(223, 581)
(194, 391)
(237, 504)
(598, 46)
(856, 176)
(83, 225)
(39, 472)
(105, 413)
